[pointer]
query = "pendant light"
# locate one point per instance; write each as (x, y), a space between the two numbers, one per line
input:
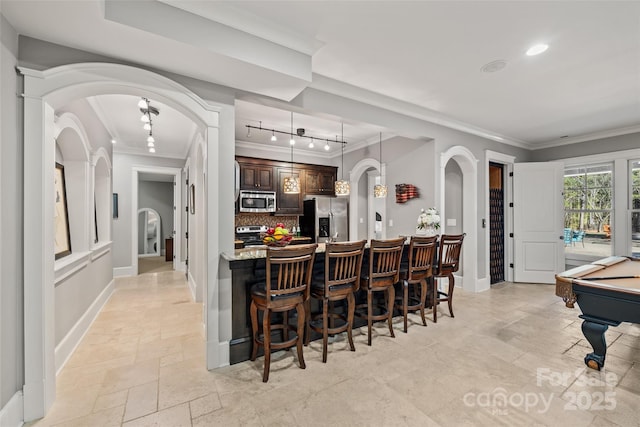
(380, 190)
(291, 184)
(342, 187)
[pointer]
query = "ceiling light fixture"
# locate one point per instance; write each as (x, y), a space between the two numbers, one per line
(147, 110)
(311, 143)
(300, 133)
(342, 187)
(113, 141)
(537, 49)
(291, 184)
(380, 190)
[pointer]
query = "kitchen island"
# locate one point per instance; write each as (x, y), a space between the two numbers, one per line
(248, 267)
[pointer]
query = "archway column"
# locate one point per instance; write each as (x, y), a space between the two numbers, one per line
(39, 158)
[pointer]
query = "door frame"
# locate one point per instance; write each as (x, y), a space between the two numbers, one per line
(507, 161)
(177, 208)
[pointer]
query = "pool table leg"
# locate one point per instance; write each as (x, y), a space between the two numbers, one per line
(594, 333)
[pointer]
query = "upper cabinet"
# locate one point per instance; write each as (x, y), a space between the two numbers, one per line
(320, 181)
(268, 175)
(289, 204)
(256, 177)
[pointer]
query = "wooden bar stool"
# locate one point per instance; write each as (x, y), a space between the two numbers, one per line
(286, 287)
(383, 272)
(417, 275)
(448, 263)
(342, 266)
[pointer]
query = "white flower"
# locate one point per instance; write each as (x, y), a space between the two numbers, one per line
(430, 217)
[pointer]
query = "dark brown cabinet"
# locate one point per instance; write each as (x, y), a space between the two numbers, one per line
(320, 181)
(289, 204)
(268, 175)
(256, 177)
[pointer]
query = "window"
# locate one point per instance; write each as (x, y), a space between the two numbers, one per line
(588, 208)
(634, 205)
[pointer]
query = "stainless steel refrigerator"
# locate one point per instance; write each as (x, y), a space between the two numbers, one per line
(325, 219)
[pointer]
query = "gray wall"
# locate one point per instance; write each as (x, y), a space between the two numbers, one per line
(122, 183)
(11, 219)
(597, 146)
(453, 204)
(158, 196)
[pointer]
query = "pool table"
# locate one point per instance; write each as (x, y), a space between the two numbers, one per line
(608, 293)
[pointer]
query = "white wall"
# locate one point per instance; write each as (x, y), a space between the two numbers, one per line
(122, 184)
(11, 219)
(453, 199)
(158, 196)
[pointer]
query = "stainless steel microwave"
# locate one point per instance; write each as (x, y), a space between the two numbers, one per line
(257, 201)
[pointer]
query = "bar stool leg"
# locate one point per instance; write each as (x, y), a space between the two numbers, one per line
(369, 314)
(391, 295)
(325, 326)
(307, 311)
(254, 329)
(301, 322)
(405, 302)
(434, 300)
(423, 299)
(266, 331)
(450, 295)
(351, 307)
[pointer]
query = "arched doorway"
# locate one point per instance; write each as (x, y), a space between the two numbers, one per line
(468, 165)
(44, 93)
(361, 171)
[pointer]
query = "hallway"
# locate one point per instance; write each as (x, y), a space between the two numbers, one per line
(142, 364)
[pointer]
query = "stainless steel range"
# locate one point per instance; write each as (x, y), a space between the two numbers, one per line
(250, 234)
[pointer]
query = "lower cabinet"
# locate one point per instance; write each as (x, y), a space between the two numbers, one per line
(289, 204)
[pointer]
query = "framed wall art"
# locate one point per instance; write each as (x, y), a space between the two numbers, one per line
(192, 199)
(61, 220)
(114, 206)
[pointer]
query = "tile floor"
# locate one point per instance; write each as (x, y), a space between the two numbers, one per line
(511, 356)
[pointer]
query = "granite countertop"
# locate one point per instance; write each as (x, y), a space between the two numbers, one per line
(255, 252)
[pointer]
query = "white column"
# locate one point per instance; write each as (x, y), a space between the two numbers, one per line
(39, 159)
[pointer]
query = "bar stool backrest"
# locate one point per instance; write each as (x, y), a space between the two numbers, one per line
(289, 270)
(384, 262)
(343, 264)
(422, 251)
(449, 253)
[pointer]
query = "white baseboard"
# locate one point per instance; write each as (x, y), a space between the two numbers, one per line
(123, 271)
(67, 346)
(192, 286)
(217, 354)
(483, 284)
(11, 414)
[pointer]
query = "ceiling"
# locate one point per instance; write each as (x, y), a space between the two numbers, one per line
(423, 56)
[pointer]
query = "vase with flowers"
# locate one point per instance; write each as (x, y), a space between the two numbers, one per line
(428, 222)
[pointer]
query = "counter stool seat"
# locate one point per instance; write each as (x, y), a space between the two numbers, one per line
(343, 262)
(286, 287)
(416, 276)
(382, 274)
(448, 263)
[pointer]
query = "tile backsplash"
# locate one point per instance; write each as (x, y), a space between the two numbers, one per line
(266, 219)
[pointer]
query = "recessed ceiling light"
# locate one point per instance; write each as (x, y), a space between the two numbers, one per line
(113, 141)
(494, 66)
(537, 49)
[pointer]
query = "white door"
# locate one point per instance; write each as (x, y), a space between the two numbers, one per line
(538, 225)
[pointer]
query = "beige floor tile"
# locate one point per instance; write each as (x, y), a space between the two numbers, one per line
(142, 363)
(142, 400)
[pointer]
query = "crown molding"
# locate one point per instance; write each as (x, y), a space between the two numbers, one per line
(99, 111)
(588, 137)
(136, 152)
